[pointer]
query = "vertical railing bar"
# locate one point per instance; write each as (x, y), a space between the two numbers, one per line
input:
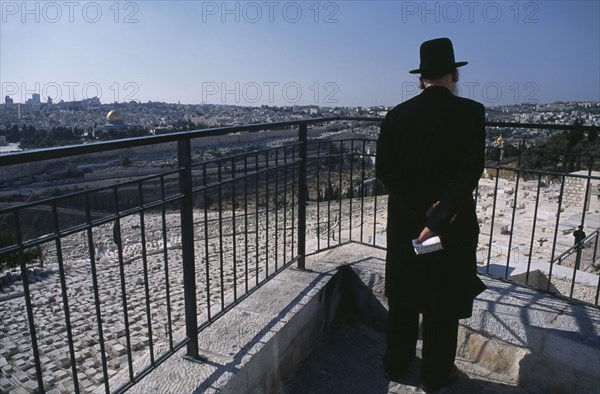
(294, 200)
(594, 259)
(289, 199)
(302, 195)
(318, 195)
(117, 238)
(340, 192)
(597, 291)
(288, 179)
(246, 222)
(375, 193)
(595, 253)
(514, 212)
(329, 193)
(206, 244)
(166, 260)
(256, 216)
(233, 226)
(184, 158)
(146, 280)
(362, 195)
(586, 256)
(351, 196)
(285, 203)
(29, 304)
(532, 241)
(579, 253)
(575, 268)
(560, 196)
(65, 297)
(587, 191)
(91, 246)
(220, 213)
(495, 200)
(276, 207)
(267, 176)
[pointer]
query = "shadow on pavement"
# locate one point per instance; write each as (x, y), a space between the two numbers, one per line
(349, 357)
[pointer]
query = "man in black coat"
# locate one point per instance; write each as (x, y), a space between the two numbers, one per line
(430, 156)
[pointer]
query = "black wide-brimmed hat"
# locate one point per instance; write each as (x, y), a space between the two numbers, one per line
(437, 58)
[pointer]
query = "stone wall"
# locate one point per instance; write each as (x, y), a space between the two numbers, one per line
(575, 190)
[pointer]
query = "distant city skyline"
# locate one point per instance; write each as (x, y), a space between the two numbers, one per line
(328, 53)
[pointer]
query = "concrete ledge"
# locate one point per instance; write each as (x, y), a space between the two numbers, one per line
(542, 340)
(256, 345)
(295, 330)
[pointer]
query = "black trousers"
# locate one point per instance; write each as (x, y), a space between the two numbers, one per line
(439, 340)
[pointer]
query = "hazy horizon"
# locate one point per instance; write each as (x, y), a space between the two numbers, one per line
(328, 53)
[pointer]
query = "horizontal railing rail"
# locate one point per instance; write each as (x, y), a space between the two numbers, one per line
(33, 155)
(583, 256)
(118, 275)
(590, 241)
(28, 156)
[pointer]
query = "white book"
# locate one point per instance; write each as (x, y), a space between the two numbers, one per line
(432, 244)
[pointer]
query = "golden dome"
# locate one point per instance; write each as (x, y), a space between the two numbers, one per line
(114, 115)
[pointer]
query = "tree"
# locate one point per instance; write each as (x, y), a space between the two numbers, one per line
(125, 161)
(592, 136)
(11, 260)
(575, 135)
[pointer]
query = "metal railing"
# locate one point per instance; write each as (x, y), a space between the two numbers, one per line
(582, 257)
(135, 270)
(529, 205)
(575, 256)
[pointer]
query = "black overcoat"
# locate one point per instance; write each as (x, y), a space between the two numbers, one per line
(430, 149)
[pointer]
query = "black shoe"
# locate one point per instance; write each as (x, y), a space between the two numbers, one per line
(437, 384)
(395, 367)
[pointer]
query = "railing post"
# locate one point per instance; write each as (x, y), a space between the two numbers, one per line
(302, 196)
(184, 157)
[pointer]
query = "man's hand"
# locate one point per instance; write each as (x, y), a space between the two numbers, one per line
(425, 233)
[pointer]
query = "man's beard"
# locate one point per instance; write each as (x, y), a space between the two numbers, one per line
(453, 89)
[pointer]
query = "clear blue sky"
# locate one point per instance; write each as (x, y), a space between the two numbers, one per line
(328, 53)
